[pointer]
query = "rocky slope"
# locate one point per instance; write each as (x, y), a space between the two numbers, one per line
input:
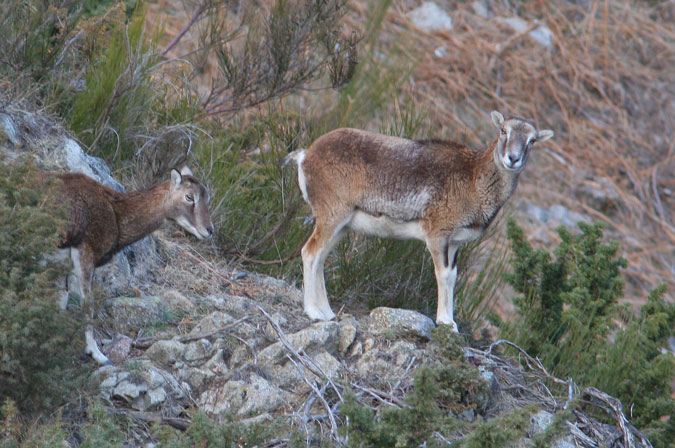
(189, 331)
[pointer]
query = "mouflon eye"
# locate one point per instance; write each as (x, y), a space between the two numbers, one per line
(189, 197)
(503, 131)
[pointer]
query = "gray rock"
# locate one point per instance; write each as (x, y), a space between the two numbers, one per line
(541, 34)
(540, 421)
(166, 352)
(270, 333)
(132, 313)
(430, 17)
(321, 336)
(144, 388)
(212, 323)
(118, 349)
(400, 323)
(194, 376)
(198, 351)
(288, 376)
(480, 8)
(468, 415)
(599, 194)
(387, 362)
(347, 334)
(234, 305)
(175, 301)
(243, 397)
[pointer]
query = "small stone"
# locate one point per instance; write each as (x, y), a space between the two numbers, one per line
(118, 349)
(540, 421)
(270, 333)
(198, 351)
(480, 8)
(347, 335)
(430, 17)
(541, 34)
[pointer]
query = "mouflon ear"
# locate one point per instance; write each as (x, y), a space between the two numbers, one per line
(544, 135)
(185, 171)
(176, 178)
(497, 118)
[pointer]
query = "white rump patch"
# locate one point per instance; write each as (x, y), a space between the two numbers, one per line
(302, 180)
(386, 227)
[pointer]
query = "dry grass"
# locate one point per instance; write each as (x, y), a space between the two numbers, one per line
(605, 85)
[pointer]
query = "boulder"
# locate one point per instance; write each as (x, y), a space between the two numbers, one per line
(321, 336)
(212, 323)
(244, 397)
(400, 323)
(166, 352)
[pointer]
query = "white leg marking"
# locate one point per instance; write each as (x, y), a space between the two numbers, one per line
(316, 299)
(79, 273)
(92, 348)
(446, 276)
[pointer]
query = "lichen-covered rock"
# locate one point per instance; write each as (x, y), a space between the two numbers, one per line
(144, 388)
(387, 361)
(166, 352)
(347, 334)
(290, 377)
(244, 397)
(212, 323)
(321, 336)
(400, 323)
(198, 352)
(132, 313)
(175, 301)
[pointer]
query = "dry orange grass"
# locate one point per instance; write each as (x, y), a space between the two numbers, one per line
(606, 86)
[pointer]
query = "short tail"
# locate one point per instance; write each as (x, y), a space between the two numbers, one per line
(294, 156)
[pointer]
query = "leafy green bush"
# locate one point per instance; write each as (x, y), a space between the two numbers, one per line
(567, 316)
(38, 341)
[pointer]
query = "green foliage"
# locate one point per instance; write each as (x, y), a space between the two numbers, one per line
(567, 315)
(33, 36)
(205, 432)
(441, 390)
(500, 432)
(119, 93)
(38, 341)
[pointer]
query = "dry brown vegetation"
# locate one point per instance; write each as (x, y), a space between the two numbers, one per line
(605, 86)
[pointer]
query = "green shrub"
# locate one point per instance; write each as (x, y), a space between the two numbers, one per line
(38, 341)
(205, 432)
(567, 316)
(441, 391)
